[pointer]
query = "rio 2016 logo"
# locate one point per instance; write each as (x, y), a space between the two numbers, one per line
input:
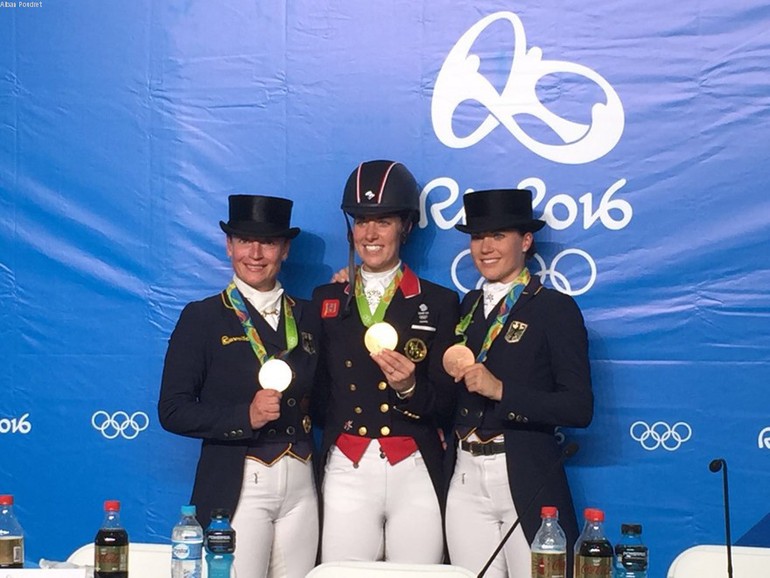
(15, 425)
(610, 211)
(460, 82)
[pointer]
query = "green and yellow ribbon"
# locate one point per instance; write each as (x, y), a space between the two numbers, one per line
(290, 325)
(521, 281)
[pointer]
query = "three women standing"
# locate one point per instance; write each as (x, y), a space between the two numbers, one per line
(382, 406)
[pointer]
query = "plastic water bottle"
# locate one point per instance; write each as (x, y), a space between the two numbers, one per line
(219, 540)
(11, 536)
(111, 545)
(549, 548)
(631, 555)
(186, 546)
(593, 551)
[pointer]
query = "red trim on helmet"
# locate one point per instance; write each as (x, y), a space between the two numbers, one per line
(384, 180)
(358, 183)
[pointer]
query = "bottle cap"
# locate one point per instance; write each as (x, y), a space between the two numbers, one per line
(630, 528)
(594, 515)
(112, 505)
(188, 510)
(549, 512)
(220, 513)
(6, 500)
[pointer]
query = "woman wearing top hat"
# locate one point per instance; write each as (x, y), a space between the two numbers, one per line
(531, 374)
(219, 382)
(381, 458)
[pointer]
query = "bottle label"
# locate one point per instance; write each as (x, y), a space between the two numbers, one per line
(549, 565)
(11, 551)
(187, 550)
(220, 541)
(593, 567)
(632, 557)
(111, 559)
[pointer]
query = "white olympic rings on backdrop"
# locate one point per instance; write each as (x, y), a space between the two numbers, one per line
(660, 434)
(558, 280)
(120, 424)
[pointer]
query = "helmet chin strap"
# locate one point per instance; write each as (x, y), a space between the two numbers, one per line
(406, 229)
(351, 269)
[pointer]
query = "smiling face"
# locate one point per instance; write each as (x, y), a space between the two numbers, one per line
(377, 240)
(257, 261)
(500, 256)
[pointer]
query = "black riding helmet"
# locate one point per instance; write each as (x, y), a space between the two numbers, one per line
(382, 188)
(378, 188)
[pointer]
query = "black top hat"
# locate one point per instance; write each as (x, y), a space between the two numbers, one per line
(254, 216)
(499, 210)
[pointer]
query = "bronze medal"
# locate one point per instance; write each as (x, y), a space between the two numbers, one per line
(456, 358)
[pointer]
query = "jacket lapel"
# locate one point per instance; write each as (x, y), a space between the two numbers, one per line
(529, 292)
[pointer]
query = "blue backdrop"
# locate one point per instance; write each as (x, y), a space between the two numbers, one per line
(643, 129)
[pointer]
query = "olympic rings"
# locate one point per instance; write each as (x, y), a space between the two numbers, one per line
(660, 434)
(559, 280)
(120, 424)
(550, 273)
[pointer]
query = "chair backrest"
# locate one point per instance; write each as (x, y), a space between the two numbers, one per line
(144, 560)
(711, 562)
(387, 569)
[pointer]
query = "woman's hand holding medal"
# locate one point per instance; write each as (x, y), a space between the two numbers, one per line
(398, 370)
(265, 407)
(274, 377)
(460, 363)
(478, 379)
(381, 339)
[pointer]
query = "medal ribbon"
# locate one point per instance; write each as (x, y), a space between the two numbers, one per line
(502, 315)
(367, 317)
(290, 325)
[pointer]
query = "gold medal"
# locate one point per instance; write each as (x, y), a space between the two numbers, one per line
(275, 374)
(380, 336)
(457, 358)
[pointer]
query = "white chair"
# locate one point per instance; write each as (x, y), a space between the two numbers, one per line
(386, 569)
(144, 560)
(711, 562)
